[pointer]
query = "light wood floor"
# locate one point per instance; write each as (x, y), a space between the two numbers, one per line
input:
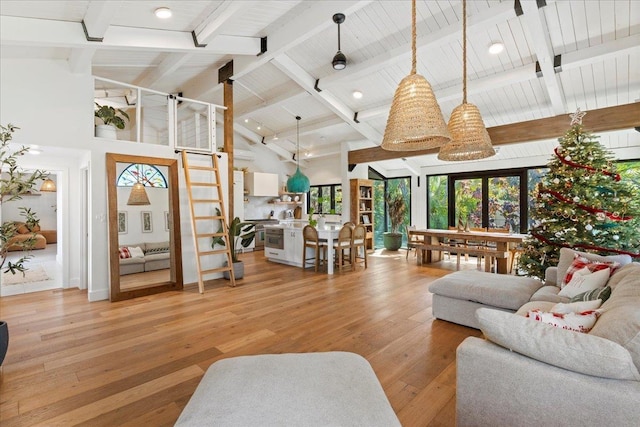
(137, 362)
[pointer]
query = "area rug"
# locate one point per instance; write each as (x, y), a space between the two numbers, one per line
(35, 273)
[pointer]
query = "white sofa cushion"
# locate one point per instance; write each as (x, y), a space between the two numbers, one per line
(567, 255)
(583, 353)
(620, 314)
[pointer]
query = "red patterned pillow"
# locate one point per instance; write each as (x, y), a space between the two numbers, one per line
(124, 252)
(577, 322)
(580, 262)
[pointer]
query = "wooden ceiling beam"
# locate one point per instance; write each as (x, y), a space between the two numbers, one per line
(601, 120)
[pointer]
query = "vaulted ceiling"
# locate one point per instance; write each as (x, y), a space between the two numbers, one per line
(558, 56)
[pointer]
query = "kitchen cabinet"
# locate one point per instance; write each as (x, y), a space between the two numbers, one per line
(238, 194)
(291, 254)
(262, 184)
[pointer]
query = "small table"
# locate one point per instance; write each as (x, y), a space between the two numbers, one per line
(330, 233)
(432, 237)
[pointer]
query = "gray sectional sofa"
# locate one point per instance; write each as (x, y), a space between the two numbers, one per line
(156, 257)
(528, 373)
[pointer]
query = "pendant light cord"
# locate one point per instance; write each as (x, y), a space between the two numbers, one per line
(413, 37)
(338, 37)
(298, 139)
(464, 51)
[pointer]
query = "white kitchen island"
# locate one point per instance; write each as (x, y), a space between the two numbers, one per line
(291, 252)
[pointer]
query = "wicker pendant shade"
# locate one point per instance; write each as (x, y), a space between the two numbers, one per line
(138, 195)
(415, 120)
(48, 185)
(470, 139)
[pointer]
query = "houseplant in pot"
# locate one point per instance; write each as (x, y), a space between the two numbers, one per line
(396, 208)
(240, 233)
(13, 183)
(112, 118)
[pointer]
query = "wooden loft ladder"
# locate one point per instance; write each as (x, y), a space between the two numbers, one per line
(207, 207)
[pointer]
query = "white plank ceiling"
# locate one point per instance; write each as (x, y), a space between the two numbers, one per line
(598, 40)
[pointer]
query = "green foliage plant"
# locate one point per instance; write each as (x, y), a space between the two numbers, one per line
(13, 184)
(396, 207)
(109, 116)
(239, 232)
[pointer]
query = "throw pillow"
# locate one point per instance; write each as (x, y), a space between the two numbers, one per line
(136, 252)
(576, 307)
(580, 263)
(577, 322)
(584, 280)
(124, 253)
(22, 228)
(583, 353)
(567, 256)
(597, 293)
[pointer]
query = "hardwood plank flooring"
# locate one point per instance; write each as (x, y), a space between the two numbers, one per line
(137, 362)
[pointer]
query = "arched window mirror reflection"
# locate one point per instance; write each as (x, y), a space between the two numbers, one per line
(147, 175)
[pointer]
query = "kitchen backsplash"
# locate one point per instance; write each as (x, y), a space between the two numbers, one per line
(259, 208)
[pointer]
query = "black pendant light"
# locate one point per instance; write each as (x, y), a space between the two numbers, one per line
(339, 60)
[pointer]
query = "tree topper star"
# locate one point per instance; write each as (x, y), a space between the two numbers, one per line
(576, 118)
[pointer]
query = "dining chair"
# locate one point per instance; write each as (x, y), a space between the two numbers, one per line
(359, 240)
(413, 241)
(350, 224)
(311, 240)
(342, 246)
(494, 245)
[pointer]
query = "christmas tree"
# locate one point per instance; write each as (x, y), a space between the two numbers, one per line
(582, 203)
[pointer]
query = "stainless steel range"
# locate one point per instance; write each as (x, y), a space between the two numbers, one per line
(260, 232)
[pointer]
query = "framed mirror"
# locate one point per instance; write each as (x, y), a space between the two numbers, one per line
(145, 253)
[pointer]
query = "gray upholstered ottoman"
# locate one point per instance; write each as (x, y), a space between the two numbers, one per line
(457, 296)
(307, 389)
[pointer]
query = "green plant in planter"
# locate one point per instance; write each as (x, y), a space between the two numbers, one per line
(109, 116)
(13, 184)
(396, 208)
(241, 233)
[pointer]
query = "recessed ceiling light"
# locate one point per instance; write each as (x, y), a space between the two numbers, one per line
(163, 12)
(275, 136)
(258, 127)
(246, 120)
(496, 47)
(357, 94)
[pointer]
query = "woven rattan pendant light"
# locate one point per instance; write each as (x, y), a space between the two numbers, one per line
(415, 120)
(138, 195)
(469, 137)
(298, 182)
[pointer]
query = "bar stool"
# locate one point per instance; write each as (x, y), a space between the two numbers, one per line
(358, 241)
(311, 240)
(342, 244)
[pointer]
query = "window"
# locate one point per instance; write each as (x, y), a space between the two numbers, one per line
(147, 175)
(437, 206)
(329, 196)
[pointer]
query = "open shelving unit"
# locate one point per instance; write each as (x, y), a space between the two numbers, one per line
(362, 207)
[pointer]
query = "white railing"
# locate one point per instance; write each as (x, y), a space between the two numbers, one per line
(160, 118)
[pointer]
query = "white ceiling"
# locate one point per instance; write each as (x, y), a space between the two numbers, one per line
(599, 44)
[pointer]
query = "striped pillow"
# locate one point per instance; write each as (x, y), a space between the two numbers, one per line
(598, 293)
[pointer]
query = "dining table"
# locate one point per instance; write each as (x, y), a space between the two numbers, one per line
(435, 242)
(330, 234)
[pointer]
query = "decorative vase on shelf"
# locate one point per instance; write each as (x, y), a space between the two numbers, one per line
(321, 222)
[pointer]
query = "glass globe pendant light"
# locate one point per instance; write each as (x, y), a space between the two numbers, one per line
(298, 182)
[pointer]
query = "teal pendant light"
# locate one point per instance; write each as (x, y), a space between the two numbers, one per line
(298, 182)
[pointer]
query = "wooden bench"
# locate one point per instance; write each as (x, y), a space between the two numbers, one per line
(475, 251)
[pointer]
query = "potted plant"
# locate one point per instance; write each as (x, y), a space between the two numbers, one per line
(396, 208)
(112, 118)
(241, 233)
(13, 184)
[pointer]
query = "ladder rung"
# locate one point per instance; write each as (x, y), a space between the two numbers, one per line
(208, 217)
(215, 270)
(202, 168)
(210, 235)
(207, 200)
(204, 184)
(214, 252)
